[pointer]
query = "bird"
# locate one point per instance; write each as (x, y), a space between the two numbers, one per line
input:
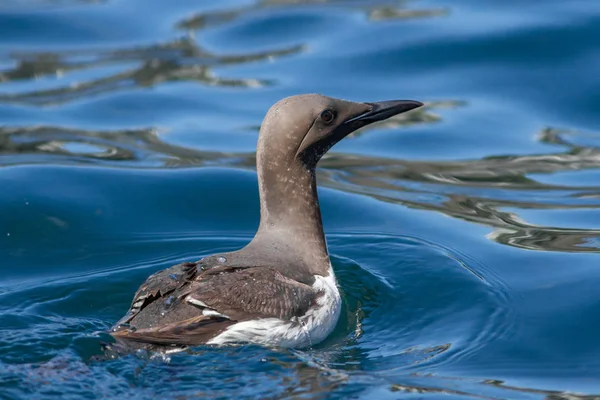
(280, 289)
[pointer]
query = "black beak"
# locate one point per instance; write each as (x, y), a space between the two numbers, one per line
(384, 109)
(367, 113)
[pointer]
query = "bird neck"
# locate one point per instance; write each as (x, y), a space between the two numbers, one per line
(290, 216)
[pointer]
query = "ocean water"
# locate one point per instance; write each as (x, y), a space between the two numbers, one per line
(465, 235)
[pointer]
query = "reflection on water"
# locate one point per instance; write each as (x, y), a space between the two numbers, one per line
(181, 60)
(453, 188)
(486, 389)
(374, 10)
(397, 12)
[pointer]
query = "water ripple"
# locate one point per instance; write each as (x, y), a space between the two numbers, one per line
(478, 191)
(180, 60)
(127, 137)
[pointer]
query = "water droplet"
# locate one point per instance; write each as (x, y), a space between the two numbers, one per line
(221, 259)
(142, 353)
(162, 314)
(120, 327)
(174, 276)
(131, 329)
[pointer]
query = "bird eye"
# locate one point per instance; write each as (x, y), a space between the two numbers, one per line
(327, 116)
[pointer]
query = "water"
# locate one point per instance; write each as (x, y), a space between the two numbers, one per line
(464, 235)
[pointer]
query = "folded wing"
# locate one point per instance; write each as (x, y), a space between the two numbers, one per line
(204, 304)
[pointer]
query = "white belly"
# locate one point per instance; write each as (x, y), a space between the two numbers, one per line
(309, 329)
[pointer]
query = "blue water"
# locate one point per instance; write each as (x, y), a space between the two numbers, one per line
(465, 235)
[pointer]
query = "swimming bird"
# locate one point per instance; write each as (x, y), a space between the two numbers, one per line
(280, 289)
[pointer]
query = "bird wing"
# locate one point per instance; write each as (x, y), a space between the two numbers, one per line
(159, 285)
(208, 303)
(260, 290)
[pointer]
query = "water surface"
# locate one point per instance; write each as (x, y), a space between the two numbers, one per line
(464, 234)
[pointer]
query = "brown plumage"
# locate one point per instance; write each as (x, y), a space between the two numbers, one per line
(284, 270)
(166, 308)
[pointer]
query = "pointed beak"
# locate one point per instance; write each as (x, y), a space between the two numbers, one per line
(382, 110)
(360, 114)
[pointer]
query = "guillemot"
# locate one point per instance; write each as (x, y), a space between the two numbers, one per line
(280, 289)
